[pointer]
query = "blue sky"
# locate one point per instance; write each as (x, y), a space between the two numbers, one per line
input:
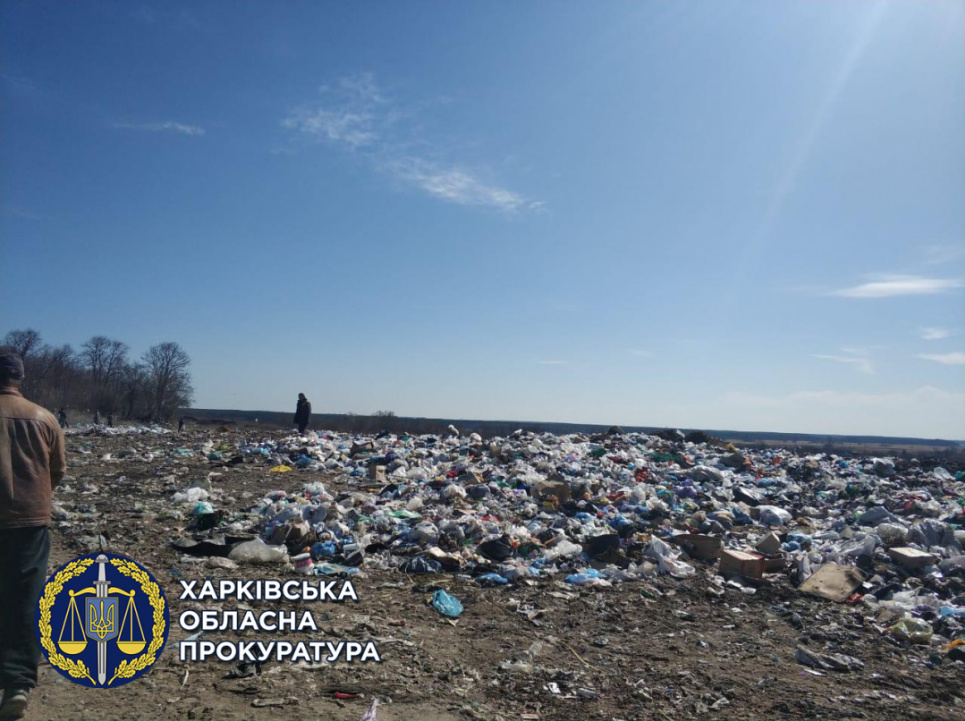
(701, 214)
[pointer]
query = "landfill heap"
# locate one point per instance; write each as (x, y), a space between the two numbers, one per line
(611, 509)
(756, 560)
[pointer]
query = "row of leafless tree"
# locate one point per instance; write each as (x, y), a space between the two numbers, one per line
(101, 376)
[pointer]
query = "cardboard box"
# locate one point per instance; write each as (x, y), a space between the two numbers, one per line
(542, 490)
(833, 582)
(377, 473)
(912, 559)
(774, 563)
(699, 546)
(741, 563)
(364, 447)
(769, 545)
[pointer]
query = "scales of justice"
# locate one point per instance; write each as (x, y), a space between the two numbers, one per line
(101, 626)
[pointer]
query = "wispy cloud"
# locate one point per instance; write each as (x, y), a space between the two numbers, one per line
(856, 357)
(890, 286)
(551, 362)
(940, 254)
(456, 185)
(354, 129)
(164, 127)
(949, 359)
(934, 333)
(355, 115)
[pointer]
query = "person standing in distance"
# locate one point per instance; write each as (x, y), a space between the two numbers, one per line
(32, 463)
(303, 413)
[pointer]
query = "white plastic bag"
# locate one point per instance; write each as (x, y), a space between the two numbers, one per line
(257, 551)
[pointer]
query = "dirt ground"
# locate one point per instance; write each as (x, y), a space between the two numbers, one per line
(661, 650)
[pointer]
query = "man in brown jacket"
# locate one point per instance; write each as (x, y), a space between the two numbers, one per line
(32, 463)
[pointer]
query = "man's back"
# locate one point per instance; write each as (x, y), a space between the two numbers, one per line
(32, 461)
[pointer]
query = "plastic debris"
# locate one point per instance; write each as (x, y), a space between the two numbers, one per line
(913, 630)
(257, 551)
(446, 604)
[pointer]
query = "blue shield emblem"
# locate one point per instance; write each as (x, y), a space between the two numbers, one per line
(102, 621)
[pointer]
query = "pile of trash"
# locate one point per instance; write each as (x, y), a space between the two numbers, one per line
(882, 533)
(109, 431)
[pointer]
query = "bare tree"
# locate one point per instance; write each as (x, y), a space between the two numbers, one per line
(104, 360)
(134, 388)
(26, 343)
(102, 377)
(94, 353)
(168, 381)
(115, 361)
(23, 341)
(64, 379)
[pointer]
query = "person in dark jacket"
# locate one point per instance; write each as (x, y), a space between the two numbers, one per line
(303, 413)
(32, 464)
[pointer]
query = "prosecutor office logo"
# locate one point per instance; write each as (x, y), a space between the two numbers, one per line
(102, 620)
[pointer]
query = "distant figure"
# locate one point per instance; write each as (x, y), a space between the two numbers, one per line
(97, 418)
(62, 418)
(180, 424)
(32, 464)
(303, 413)
(110, 420)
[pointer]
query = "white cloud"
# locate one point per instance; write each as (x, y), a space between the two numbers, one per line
(940, 254)
(857, 357)
(950, 359)
(641, 353)
(900, 285)
(934, 333)
(862, 365)
(354, 129)
(165, 127)
(456, 185)
(356, 115)
(361, 86)
(551, 362)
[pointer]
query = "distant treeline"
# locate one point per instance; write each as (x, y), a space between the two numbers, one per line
(102, 377)
(388, 421)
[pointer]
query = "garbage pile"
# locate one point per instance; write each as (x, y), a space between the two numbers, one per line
(110, 431)
(884, 534)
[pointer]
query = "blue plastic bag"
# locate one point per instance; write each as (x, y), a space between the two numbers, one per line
(445, 604)
(491, 579)
(324, 550)
(585, 577)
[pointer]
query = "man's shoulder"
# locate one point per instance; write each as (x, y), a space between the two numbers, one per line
(19, 407)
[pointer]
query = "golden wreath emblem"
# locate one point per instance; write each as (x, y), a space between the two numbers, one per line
(116, 634)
